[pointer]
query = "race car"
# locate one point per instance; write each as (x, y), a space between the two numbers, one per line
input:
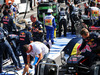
(71, 63)
(79, 64)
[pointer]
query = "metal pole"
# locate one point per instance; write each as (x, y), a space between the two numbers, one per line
(43, 23)
(26, 9)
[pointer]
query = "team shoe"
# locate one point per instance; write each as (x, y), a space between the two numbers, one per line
(28, 74)
(53, 43)
(17, 68)
(21, 67)
(31, 66)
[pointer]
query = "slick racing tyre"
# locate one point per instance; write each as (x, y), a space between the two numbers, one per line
(95, 70)
(50, 70)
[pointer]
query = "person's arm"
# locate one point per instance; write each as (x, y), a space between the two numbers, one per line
(89, 12)
(54, 24)
(26, 68)
(40, 27)
(78, 52)
(14, 10)
(40, 57)
(83, 45)
(13, 24)
(5, 32)
(28, 59)
(30, 37)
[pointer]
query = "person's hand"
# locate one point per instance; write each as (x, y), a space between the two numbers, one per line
(88, 16)
(36, 29)
(55, 29)
(28, 64)
(78, 52)
(17, 30)
(35, 65)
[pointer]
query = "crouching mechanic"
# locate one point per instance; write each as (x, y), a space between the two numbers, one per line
(35, 49)
(93, 41)
(5, 47)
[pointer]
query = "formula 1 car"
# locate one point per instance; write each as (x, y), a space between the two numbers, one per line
(71, 63)
(79, 64)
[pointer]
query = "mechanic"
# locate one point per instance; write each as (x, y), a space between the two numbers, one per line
(31, 2)
(71, 7)
(37, 29)
(86, 12)
(86, 9)
(35, 49)
(13, 41)
(94, 13)
(5, 47)
(8, 23)
(6, 8)
(62, 21)
(10, 4)
(50, 25)
(91, 39)
(25, 37)
(98, 5)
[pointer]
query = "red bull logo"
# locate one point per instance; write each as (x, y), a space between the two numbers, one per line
(86, 48)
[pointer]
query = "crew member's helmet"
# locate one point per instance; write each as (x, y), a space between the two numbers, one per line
(14, 4)
(49, 11)
(9, 1)
(61, 9)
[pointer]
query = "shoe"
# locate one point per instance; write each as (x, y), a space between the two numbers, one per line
(53, 43)
(20, 67)
(12, 63)
(17, 68)
(31, 8)
(28, 74)
(31, 66)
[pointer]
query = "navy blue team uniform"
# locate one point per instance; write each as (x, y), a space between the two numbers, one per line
(8, 23)
(5, 46)
(37, 36)
(94, 43)
(13, 40)
(24, 38)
